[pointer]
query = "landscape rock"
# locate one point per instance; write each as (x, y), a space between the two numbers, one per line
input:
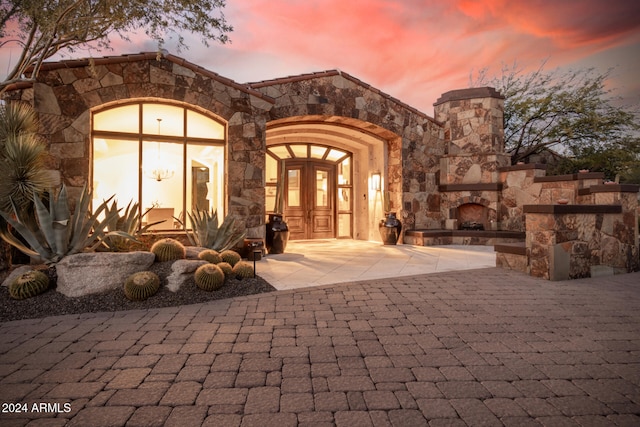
(192, 252)
(95, 272)
(182, 271)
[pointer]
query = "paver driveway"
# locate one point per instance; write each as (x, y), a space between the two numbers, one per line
(475, 347)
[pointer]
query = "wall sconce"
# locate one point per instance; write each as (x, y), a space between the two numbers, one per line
(376, 181)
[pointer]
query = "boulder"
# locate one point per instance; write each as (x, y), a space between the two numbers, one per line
(192, 252)
(95, 272)
(182, 271)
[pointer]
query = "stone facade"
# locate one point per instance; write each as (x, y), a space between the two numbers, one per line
(448, 177)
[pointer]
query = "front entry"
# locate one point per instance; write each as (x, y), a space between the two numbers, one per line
(309, 199)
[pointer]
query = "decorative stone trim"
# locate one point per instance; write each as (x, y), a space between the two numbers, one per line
(494, 186)
(572, 209)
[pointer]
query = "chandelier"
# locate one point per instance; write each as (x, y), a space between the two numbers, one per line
(157, 167)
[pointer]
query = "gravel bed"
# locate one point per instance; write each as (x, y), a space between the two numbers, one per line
(52, 303)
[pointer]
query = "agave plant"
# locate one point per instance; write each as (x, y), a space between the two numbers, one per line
(207, 234)
(55, 232)
(130, 222)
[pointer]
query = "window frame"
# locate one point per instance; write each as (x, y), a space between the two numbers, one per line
(140, 137)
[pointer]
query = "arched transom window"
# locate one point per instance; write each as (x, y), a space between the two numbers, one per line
(168, 158)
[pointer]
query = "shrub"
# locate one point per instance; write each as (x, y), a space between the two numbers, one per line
(209, 277)
(28, 285)
(231, 257)
(211, 256)
(141, 285)
(243, 270)
(168, 250)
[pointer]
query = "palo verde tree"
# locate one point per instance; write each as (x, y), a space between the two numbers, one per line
(570, 112)
(43, 28)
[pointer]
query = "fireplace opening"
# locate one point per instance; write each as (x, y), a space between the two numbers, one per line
(472, 216)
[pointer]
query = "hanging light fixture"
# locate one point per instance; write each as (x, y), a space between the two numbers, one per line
(157, 168)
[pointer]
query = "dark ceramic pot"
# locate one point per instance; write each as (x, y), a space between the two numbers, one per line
(277, 234)
(390, 228)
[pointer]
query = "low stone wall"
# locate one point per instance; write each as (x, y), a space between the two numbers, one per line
(573, 241)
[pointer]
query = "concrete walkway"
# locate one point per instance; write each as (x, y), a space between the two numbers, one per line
(323, 262)
(464, 348)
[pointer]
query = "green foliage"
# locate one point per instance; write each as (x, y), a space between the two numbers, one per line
(570, 112)
(54, 232)
(22, 156)
(211, 256)
(230, 257)
(618, 161)
(42, 29)
(209, 277)
(141, 285)
(226, 268)
(130, 222)
(243, 270)
(206, 233)
(168, 250)
(29, 284)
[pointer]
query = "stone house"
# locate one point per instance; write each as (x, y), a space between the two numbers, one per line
(173, 136)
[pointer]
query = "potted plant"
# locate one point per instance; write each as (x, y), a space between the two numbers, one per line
(389, 227)
(277, 233)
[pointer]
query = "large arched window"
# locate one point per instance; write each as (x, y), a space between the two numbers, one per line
(165, 157)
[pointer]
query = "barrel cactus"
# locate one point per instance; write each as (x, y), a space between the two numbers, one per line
(243, 270)
(211, 256)
(29, 284)
(232, 257)
(209, 277)
(168, 250)
(141, 285)
(226, 269)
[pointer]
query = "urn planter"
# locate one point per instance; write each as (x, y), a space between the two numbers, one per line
(390, 229)
(277, 234)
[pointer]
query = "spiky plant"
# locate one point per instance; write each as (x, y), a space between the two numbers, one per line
(130, 222)
(22, 158)
(226, 269)
(29, 284)
(141, 285)
(206, 233)
(211, 256)
(54, 232)
(243, 270)
(232, 257)
(209, 277)
(168, 250)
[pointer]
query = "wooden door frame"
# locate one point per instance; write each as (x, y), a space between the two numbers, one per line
(301, 218)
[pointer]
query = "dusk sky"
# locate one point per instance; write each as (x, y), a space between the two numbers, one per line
(415, 50)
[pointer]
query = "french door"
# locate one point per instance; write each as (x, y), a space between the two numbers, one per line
(310, 199)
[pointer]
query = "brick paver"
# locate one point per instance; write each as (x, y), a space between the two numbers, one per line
(484, 347)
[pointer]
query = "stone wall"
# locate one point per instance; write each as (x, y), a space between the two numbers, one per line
(67, 91)
(413, 141)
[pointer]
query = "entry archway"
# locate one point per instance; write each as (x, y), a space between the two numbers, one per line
(367, 144)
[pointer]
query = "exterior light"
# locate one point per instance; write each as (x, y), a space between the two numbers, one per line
(376, 181)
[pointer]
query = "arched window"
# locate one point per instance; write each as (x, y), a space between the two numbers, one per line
(165, 157)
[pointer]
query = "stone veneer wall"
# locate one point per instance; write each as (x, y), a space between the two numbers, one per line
(573, 241)
(66, 92)
(414, 141)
